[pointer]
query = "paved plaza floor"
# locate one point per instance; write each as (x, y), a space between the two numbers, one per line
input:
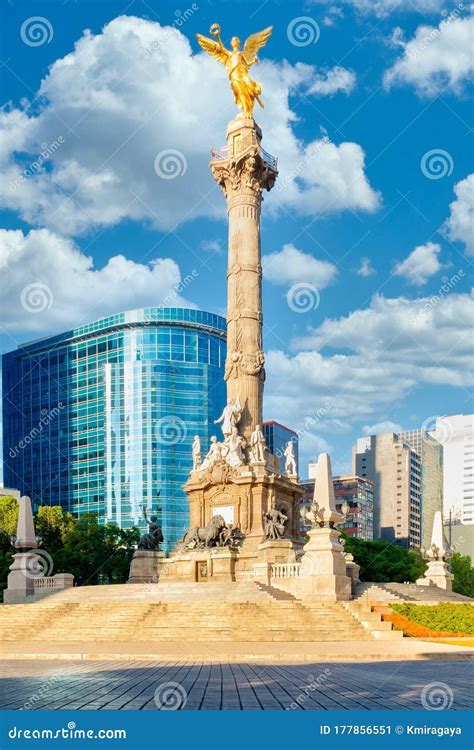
(146, 685)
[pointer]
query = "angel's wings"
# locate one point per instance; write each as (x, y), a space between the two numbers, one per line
(237, 405)
(254, 43)
(214, 49)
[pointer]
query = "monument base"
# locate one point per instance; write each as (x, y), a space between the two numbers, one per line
(146, 566)
(20, 584)
(323, 567)
(202, 565)
(437, 574)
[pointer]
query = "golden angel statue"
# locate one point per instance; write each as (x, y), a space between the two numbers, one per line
(237, 63)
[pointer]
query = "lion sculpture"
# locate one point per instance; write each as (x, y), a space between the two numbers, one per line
(205, 536)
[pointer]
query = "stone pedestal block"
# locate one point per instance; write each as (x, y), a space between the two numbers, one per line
(145, 566)
(276, 551)
(437, 574)
(323, 567)
(21, 582)
(222, 565)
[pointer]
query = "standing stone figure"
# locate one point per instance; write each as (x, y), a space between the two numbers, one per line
(290, 458)
(257, 445)
(230, 417)
(274, 523)
(196, 453)
(152, 540)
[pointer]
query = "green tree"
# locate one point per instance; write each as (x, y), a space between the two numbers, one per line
(94, 553)
(8, 514)
(52, 525)
(383, 562)
(463, 572)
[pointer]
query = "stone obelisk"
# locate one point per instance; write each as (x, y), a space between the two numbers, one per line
(244, 171)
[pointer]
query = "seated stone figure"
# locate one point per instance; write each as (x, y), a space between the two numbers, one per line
(152, 540)
(274, 523)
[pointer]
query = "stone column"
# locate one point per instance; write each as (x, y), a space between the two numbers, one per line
(244, 170)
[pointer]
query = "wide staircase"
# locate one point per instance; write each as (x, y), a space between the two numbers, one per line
(147, 613)
(406, 592)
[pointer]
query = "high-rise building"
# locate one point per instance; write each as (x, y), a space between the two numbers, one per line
(395, 470)
(102, 418)
(358, 493)
(430, 452)
(277, 436)
(456, 434)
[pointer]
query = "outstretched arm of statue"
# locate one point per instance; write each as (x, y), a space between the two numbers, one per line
(214, 49)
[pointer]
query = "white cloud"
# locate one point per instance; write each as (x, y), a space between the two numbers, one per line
(51, 285)
(365, 269)
(290, 266)
(212, 246)
(125, 96)
(389, 348)
(331, 81)
(460, 224)
(382, 8)
(380, 427)
(421, 264)
(436, 58)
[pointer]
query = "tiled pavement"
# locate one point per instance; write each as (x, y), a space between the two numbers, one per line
(91, 685)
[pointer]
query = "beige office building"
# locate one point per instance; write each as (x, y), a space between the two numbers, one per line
(407, 475)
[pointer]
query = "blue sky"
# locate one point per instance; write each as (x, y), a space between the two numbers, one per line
(366, 239)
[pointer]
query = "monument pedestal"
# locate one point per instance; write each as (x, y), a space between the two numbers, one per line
(323, 567)
(146, 566)
(437, 574)
(21, 584)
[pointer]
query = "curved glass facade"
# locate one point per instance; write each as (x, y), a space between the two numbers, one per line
(102, 418)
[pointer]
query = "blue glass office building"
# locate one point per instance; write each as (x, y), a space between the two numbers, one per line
(102, 418)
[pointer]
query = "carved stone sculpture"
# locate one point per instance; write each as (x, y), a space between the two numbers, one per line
(196, 453)
(214, 453)
(230, 417)
(152, 540)
(290, 458)
(205, 536)
(235, 455)
(274, 523)
(257, 445)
